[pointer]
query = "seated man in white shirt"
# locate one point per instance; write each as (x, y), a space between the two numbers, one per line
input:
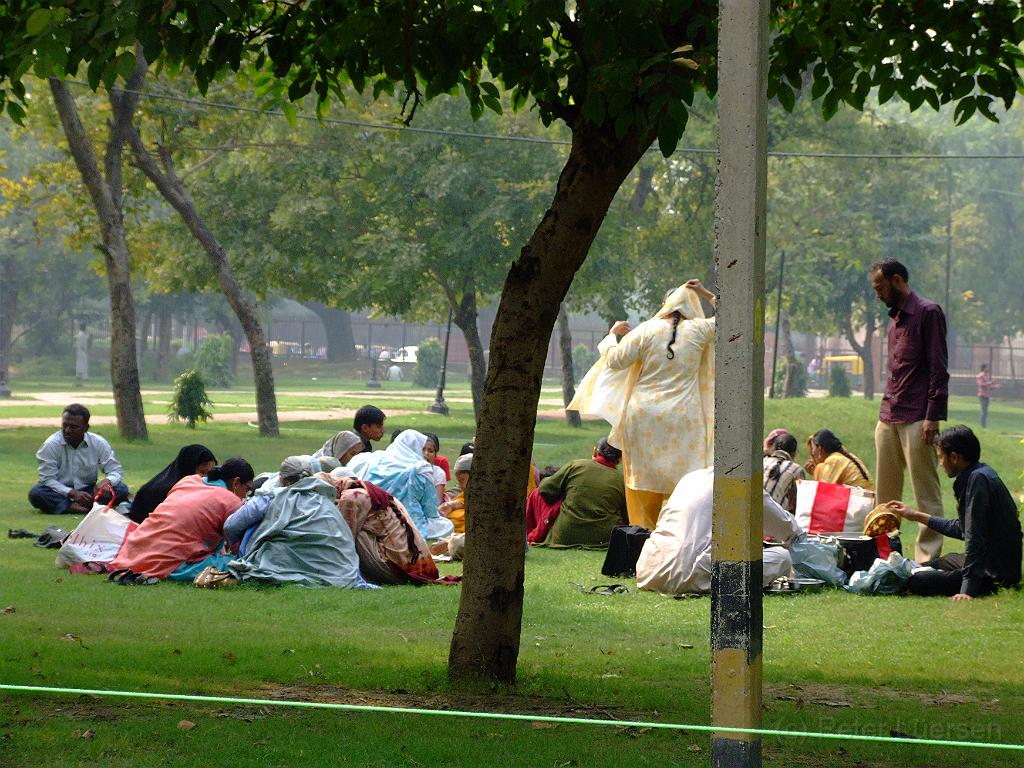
(69, 461)
(677, 557)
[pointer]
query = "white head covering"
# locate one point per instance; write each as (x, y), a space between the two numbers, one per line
(604, 392)
(339, 444)
(404, 454)
(683, 300)
(295, 468)
(464, 463)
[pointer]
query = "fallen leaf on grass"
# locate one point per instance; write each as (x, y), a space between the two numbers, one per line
(186, 725)
(8, 609)
(694, 748)
(89, 734)
(541, 725)
(229, 655)
(177, 651)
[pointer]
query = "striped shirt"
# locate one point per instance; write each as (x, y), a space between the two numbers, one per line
(780, 476)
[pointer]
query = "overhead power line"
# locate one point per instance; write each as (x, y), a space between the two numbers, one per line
(530, 139)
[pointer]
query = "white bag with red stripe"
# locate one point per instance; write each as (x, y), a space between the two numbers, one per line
(97, 539)
(832, 508)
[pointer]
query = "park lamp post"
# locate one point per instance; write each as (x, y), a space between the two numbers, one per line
(374, 382)
(439, 405)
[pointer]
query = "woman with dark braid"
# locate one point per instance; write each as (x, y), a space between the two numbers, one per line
(654, 385)
(834, 464)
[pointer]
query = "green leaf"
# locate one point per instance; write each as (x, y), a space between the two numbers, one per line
(668, 136)
(289, 113)
(830, 105)
(886, 90)
(820, 85)
(125, 64)
(492, 103)
(37, 21)
(16, 112)
(786, 97)
(964, 109)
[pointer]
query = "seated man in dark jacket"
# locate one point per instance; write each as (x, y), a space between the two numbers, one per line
(986, 521)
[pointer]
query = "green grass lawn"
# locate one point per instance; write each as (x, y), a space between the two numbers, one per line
(832, 662)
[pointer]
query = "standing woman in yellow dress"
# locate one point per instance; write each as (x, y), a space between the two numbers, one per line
(655, 386)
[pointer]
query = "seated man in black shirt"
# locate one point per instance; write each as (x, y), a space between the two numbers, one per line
(986, 521)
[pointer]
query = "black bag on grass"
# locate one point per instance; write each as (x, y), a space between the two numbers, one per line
(624, 550)
(861, 553)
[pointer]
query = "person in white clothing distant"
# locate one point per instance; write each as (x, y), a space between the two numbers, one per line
(676, 559)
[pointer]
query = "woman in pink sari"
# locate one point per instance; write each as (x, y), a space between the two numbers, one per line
(186, 529)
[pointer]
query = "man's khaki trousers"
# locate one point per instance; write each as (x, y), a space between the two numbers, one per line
(900, 447)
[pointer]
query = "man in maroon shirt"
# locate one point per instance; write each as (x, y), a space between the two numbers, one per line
(914, 403)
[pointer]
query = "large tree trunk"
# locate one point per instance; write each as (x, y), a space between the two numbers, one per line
(163, 344)
(8, 311)
(341, 343)
(174, 192)
(106, 191)
(465, 318)
(485, 643)
(568, 375)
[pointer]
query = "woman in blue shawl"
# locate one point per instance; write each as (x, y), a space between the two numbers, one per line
(402, 471)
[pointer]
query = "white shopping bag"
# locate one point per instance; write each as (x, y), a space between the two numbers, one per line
(832, 508)
(97, 539)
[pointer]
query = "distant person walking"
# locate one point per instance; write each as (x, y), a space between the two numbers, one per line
(916, 391)
(82, 354)
(984, 387)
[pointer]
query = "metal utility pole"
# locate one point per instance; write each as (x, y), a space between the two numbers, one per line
(736, 611)
(778, 318)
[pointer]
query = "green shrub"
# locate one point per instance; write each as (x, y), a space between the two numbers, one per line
(213, 359)
(428, 363)
(583, 357)
(838, 382)
(189, 401)
(798, 382)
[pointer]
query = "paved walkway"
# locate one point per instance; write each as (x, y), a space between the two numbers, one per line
(236, 417)
(550, 407)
